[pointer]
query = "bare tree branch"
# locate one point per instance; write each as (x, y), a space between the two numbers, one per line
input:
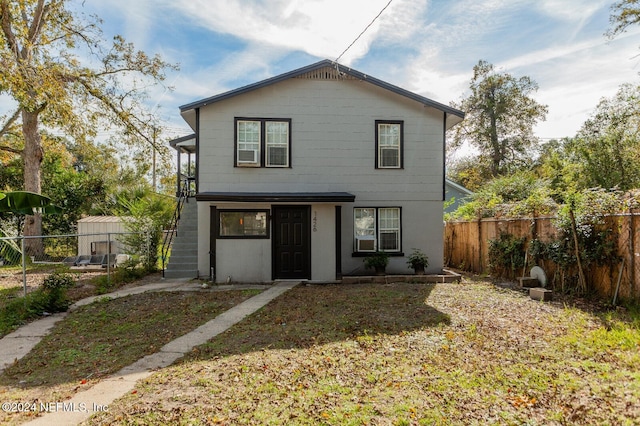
(5, 20)
(9, 123)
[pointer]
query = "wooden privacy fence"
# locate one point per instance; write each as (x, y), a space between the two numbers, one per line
(467, 246)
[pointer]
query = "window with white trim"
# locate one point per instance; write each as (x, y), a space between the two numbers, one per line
(376, 229)
(262, 142)
(248, 142)
(277, 144)
(389, 140)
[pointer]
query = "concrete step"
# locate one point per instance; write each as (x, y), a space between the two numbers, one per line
(186, 239)
(183, 261)
(184, 252)
(181, 274)
(186, 235)
(182, 267)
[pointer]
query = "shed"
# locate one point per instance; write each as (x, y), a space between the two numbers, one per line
(95, 232)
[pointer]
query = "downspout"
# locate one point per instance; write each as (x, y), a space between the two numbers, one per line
(178, 177)
(212, 211)
(197, 150)
(444, 156)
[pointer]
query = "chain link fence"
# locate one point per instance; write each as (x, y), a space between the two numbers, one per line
(26, 261)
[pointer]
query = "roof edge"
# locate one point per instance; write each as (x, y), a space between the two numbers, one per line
(321, 64)
(337, 197)
(174, 142)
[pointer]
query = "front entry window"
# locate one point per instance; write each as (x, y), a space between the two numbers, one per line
(242, 224)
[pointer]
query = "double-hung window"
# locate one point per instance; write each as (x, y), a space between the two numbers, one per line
(389, 141)
(263, 142)
(277, 141)
(248, 138)
(377, 229)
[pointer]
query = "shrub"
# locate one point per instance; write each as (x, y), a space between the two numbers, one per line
(129, 272)
(418, 259)
(55, 288)
(378, 261)
(506, 254)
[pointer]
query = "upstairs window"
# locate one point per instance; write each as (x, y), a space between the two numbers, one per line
(263, 142)
(248, 142)
(389, 141)
(277, 144)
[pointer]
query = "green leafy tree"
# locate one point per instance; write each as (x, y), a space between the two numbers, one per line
(559, 164)
(608, 144)
(605, 153)
(520, 194)
(499, 121)
(145, 215)
(59, 72)
(470, 172)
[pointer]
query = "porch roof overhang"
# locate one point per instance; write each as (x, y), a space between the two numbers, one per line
(185, 144)
(281, 197)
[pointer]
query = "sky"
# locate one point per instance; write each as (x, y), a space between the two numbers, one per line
(428, 47)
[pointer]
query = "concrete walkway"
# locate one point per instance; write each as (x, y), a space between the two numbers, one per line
(98, 397)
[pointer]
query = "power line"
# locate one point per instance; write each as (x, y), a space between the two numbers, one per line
(363, 31)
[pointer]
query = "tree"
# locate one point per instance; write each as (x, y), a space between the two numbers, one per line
(60, 74)
(469, 171)
(500, 115)
(608, 144)
(520, 194)
(145, 215)
(624, 14)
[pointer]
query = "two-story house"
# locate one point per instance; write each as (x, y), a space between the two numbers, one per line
(302, 175)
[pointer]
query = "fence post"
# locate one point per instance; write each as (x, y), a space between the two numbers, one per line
(480, 265)
(632, 254)
(24, 268)
(147, 260)
(108, 260)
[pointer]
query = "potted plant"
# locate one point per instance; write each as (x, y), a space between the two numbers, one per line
(378, 261)
(418, 261)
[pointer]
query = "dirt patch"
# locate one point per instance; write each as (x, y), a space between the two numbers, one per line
(85, 281)
(34, 279)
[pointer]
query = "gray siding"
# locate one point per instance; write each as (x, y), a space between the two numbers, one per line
(333, 142)
(333, 150)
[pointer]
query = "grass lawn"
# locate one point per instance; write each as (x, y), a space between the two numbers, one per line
(100, 339)
(467, 353)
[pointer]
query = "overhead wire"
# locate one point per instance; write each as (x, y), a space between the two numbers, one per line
(364, 31)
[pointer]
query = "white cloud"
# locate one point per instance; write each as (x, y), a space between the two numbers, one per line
(571, 10)
(322, 28)
(558, 43)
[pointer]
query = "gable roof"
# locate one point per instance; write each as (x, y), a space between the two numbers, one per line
(454, 116)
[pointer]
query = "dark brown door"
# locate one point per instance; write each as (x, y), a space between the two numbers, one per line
(291, 242)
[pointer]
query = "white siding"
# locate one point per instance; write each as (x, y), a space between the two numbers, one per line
(93, 229)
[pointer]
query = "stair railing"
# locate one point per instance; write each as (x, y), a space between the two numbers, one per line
(183, 196)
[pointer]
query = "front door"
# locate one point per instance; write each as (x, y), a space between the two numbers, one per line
(291, 242)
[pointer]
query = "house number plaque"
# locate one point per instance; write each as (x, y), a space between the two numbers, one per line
(315, 221)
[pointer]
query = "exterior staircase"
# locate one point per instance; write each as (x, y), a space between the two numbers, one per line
(183, 261)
